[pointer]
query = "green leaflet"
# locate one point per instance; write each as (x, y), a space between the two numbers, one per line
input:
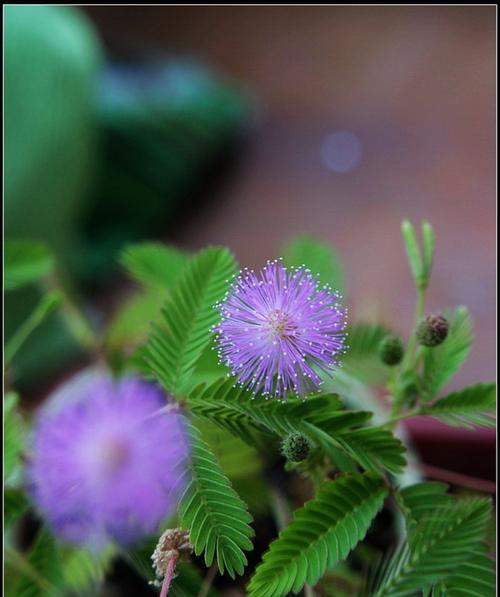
(153, 265)
(183, 333)
(441, 543)
(318, 257)
(237, 410)
(321, 533)
(25, 262)
(216, 517)
(443, 361)
(472, 406)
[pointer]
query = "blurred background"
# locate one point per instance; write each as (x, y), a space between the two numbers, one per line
(245, 126)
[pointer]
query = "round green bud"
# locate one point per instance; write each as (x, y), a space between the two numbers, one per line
(432, 331)
(391, 350)
(296, 447)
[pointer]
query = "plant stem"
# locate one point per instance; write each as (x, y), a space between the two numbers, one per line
(207, 582)
(76, 321)
(411, 357)
(47, 305)
(308, 591)
(280, 508)
(419, 313)
(169, 574)
(401, 417)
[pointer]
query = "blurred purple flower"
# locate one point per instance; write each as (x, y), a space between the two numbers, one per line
(107, 460)
(280, 330)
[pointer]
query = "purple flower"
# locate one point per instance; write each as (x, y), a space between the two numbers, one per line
(107, 459)
(280, 330)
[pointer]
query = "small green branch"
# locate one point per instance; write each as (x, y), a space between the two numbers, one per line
(47, 305)
(401, 417)
(208, 581)
(76, 322)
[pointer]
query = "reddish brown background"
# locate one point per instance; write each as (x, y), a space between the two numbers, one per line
(416, 85)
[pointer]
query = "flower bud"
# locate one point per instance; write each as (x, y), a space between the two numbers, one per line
(391, 350)
(432, 331)
(296, 447)
(174, 543)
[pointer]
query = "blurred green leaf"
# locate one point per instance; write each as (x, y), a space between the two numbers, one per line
(14, 505)
(131, 323)
(42, 572)
(428, 243)
(319, 257)
(362, 360)
(25, 262)
(412, 251)
(14, 433)
(236, 458)
(153, 265)
(83, 571)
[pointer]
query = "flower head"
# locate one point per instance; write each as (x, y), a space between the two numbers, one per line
(107, 459)
(279, 330)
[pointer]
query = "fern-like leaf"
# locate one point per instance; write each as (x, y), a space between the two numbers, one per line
(474, 578)
(321, 534)
(374, 448)
(443, 542)
(216, 517)
(472, 406)
(443, 361)
(419, 500)
(187, 318)
(236, 409)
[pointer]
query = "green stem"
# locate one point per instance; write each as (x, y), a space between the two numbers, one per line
(412, 353)
(412, 342)
(44, 308)
(207, 581)
(77, 323)
(401, 417)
